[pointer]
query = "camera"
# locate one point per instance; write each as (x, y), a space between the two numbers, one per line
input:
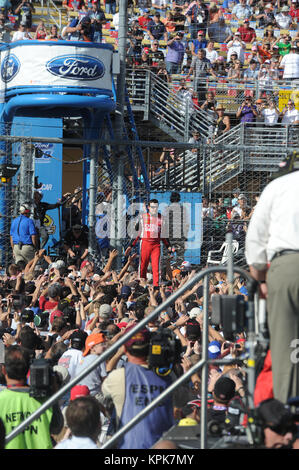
(164, 351)
(229, 311)
(41, 378)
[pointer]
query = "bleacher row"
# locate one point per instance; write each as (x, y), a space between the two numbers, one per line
(110, 33)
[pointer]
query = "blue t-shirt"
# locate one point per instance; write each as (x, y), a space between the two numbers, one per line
(199, 44)
(22, 229)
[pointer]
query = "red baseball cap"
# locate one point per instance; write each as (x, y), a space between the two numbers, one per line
(55, 314)
(79, 391)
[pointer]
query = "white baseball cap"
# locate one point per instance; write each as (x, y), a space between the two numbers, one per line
(194, 312)
(185, 265)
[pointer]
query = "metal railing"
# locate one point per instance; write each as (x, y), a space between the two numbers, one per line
(202, 364)
(51, 5)
(253, 146)
(231, 93)
(174, 114)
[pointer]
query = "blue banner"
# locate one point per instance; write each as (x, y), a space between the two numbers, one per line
(193, 205)
(48, 167)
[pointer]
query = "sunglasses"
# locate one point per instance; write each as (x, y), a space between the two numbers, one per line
(283, 429)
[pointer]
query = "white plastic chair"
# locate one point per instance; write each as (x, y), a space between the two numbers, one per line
(224, 251)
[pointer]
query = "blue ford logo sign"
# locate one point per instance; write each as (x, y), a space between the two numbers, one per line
(9, 68)
(74, 67)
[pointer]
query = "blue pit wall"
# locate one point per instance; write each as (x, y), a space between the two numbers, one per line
(55, 79)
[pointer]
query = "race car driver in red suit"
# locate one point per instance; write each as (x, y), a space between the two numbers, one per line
(151, 226)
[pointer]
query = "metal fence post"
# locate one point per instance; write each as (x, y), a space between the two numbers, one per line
(92, 199)
(205, 368)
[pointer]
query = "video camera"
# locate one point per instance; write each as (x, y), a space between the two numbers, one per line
(41, 378)
(164, 351)
(229, 311)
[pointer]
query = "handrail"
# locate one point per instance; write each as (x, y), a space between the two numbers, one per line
(204, 361)
(113, 348)
(53, 5)
(147, 90)
(254, 145)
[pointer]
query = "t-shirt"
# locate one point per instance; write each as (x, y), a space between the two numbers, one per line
(237, 47)
(247, 34)
(290, 63)
(95, 378)
(75, 442)
(270, 116)
(290, 116)
(283, 21)
(70, 360)
(283, 48)
(45, 304)
(211, 55)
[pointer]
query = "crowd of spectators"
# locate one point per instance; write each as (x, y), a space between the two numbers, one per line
(69, 311)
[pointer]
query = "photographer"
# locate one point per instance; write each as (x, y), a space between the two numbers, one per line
(247, 112)
(79, 30)
(279, 429)
(175, 54)
(76, 245)
(17, 403)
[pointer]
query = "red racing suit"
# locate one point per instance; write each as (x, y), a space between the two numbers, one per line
(149, 230)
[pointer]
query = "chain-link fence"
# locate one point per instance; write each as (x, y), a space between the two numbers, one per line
(219, 183)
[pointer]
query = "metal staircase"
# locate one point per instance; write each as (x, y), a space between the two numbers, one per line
(164, 108)
(229, 155)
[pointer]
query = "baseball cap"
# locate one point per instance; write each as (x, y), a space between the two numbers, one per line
(78, 337)
(24, 209)
(200, 32)
(225, 388)
(92, 340)
(176, 272)
(185, 266)
(194, 312)
(214, 349)
(27, 315)
(193, 330)
(126, 290)
(105, 311)
(139, 339)
(237, 33)
(122, 324)
(242, 196)
(63, 373)
(79, 391)
(84, 263)
(285, 8)
(259, 101)
(246, 20)
(55, 314)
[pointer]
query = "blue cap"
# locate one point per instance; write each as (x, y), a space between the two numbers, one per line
(214, 349)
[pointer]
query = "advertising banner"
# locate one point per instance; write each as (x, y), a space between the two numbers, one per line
(48, 167)
(192, 203)
(55, 65)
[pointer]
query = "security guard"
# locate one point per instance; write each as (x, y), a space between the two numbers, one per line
(23, 236)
